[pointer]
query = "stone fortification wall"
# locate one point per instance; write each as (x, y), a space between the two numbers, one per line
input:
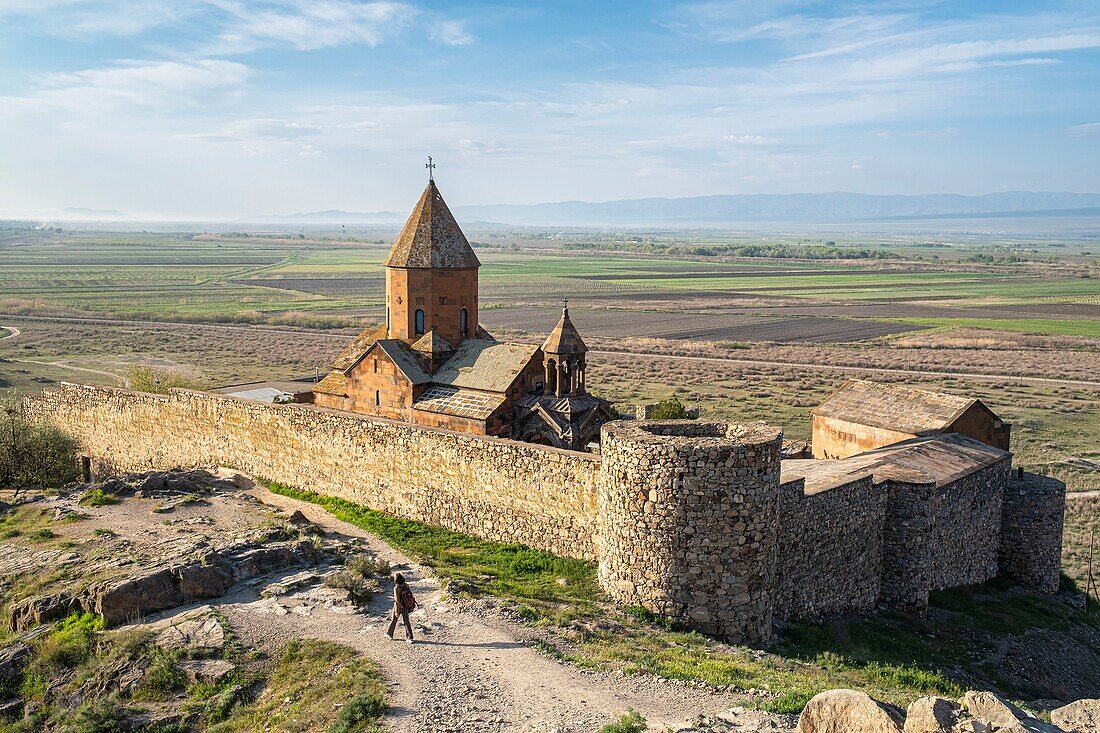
(491, 488)
(940, 536)
(690, 516)
(1031, 532)
(830, 548)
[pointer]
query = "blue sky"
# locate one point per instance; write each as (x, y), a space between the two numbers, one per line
(227, 108)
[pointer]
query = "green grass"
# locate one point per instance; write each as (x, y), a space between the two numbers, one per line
(98, 497)
(530, 577)
(311, 682)
(1044, 326)
(892, 656)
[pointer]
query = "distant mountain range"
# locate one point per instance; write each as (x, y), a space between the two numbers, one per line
(697, 211)
(741, 208)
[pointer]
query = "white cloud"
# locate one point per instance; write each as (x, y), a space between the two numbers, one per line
(1086, 130)
(451, 32)
(747, 139)
(161, 84)
(308, 25)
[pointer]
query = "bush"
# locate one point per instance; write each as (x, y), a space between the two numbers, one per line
(34, 453)
(360, 590)
(362, 709)
(98, 497)
(159, 381)
(670, 409)
(99, 716)
(630, 722)
(71, 641)
(367, 565)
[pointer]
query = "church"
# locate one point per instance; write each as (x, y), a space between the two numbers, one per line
(433, 364)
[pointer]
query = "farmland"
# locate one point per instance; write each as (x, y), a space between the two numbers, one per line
(1014, 323)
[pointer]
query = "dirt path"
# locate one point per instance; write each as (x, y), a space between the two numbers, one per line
(861, 369)
(62, 365)
(469, 671)
(13, 332)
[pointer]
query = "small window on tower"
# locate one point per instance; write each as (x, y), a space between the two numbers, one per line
(375, 366)
(463, 322)
(377, 397)
(419, 322)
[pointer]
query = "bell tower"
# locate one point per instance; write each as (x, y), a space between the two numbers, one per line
(564, 352)
(431, 275)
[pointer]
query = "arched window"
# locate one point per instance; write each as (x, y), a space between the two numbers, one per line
(377, 397)
(419, 321)
(463, 322)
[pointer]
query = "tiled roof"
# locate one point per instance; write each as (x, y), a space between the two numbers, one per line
(406, 360)
(938, 458)
(490, 366)
(459, 402)
(564, 339)
(431, 237)
(433, 343)
(893, 407)
(359, 346)
(334, 384)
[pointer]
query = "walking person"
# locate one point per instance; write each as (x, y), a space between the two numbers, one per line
(403, 604)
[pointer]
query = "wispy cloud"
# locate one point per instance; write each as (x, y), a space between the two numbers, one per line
(159, 84)
(451, 32)
(1086, 130)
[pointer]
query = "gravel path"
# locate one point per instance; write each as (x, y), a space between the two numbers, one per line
(470, 670)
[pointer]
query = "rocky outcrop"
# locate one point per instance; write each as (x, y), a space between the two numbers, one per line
(1082, 716)
(849, 711)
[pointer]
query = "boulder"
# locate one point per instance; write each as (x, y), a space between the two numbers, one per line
(12, 660)
(41, 609)
(130, 598)
(848, 711)
(1001, 715)
(205, 670)
(209, 579)
(1082, 716)
(201, 631)
(932, 715)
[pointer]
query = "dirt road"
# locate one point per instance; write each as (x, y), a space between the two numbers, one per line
(471, 670)
(862, 369)
(13, 332)
(62, 365)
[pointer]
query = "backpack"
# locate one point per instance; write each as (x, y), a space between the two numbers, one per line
(408, 600)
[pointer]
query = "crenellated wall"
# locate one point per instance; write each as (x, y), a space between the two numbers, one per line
(686, 518)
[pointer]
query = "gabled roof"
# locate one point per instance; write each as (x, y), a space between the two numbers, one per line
(431, 237)
(938, 459)
(402, 355)
(894, 407)
(564, 339)
(354, 351)
(490, 366)
(432, 343)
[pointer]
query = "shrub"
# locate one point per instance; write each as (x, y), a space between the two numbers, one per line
(630, 722)
(98, 497)
(162, 676)
(71, 641)
(41, 535)
(367, 565)
(159, 381)
(670, 409)
(360, 590)
(34, 453)
(362, 709)
(105, 715)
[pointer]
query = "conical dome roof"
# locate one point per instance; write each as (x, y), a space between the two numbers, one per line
(564, 339)
(431, 237)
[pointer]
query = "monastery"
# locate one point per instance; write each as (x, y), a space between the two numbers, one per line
(433, 364)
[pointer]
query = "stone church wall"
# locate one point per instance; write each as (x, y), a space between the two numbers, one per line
(1031, 532)
(491, 488)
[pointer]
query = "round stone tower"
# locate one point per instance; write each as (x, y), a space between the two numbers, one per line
(689, 513)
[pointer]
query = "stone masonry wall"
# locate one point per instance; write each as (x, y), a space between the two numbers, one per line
(1031, 532)
(491, 488)
(830, 549)
(689, 515)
